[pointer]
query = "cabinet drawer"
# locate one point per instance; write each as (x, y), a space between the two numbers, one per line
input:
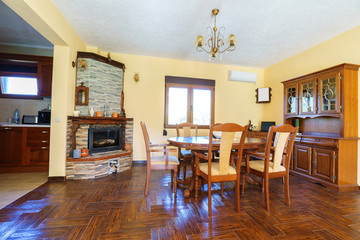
(38, 147)
(38, 135)
(320, 142)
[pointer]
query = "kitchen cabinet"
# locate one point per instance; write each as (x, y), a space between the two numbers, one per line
(45, 78)
(38, 143)
(325, 103)
(11, 146)
(24, 149)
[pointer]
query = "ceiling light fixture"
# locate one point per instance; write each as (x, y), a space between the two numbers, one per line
(215, 40)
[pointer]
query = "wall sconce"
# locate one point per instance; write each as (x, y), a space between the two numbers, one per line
(136, 77)
(83, 64)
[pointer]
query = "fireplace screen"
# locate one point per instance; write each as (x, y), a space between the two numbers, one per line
(104, 139)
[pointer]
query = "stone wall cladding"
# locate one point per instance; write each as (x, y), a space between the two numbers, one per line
(105, 86)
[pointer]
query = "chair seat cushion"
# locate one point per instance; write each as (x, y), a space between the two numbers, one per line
(160, 160)
(214, 169)
(185, 152)
(258, 165)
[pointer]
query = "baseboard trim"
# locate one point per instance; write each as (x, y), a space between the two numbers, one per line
(139, 162)
(57, 179)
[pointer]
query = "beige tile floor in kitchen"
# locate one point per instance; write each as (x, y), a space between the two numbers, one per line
(16, 185)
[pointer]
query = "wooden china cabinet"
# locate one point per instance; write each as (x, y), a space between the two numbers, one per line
(325, 104)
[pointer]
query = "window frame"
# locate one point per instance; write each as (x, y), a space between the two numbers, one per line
(20, 96)
(190, 84)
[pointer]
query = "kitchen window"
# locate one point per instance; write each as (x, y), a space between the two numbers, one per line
(189, 100)
(19, 85)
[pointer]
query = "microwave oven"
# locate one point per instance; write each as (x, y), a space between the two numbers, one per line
(44, 117)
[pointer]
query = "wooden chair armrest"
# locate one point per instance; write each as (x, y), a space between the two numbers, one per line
(159, 145)
(163, 150)
(255, 154)
(201, 155)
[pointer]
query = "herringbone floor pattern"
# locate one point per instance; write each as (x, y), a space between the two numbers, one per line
(114, 207)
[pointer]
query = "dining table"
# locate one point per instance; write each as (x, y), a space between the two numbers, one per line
(201, 144)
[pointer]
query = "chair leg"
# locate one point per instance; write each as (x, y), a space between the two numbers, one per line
(147, 181)
(172, 179)
(196, 186)
(178, 167)
(286, 189)
(209, 198)
(237, 194)
(184, 177)
(266, 190)
(222, 189)
(175, 182)
(243, 183)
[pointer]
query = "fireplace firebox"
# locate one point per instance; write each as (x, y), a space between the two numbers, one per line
(104, 139)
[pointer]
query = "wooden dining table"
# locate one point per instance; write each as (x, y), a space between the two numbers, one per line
(202, 144)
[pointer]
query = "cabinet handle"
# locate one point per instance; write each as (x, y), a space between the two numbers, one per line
(44, 141)
(43, 147)
(7, 128)
(44, 131)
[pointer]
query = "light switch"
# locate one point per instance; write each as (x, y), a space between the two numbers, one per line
(57, 119)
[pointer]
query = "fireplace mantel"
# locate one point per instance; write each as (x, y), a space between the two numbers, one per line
(98, 120)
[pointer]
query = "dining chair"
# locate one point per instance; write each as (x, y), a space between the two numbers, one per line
(161, 162)
(183, 154)
(222, 171)
(274, 162)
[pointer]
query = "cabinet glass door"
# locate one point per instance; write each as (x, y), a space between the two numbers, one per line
(291, 100)
(329, 89)
(307, 97)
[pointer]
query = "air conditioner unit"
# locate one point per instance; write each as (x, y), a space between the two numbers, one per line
(242, 76)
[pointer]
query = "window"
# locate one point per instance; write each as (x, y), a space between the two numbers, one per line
(189, 100)
(19, 85)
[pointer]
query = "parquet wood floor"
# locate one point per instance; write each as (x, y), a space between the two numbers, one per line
(114, 207)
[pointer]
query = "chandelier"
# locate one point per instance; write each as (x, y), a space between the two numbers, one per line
(215, 40)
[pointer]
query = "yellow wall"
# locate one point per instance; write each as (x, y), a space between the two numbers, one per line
(144, 100)
(344, 48)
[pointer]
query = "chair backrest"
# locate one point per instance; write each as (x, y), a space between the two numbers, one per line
(146, 139)
(280, 140)
(186, 127)
(228, 131)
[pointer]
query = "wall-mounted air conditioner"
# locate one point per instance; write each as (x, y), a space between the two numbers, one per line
(242, 76)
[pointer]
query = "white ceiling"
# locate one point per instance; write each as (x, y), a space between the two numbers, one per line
(267, 31)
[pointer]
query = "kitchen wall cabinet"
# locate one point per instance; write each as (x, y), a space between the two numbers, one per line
(45, 78)
(325, 103)
(24, 149)
(29, 66)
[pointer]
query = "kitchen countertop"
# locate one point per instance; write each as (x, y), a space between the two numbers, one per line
(7, 124)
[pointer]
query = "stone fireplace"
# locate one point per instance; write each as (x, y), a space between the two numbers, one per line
(105, 136)
(97, 163)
